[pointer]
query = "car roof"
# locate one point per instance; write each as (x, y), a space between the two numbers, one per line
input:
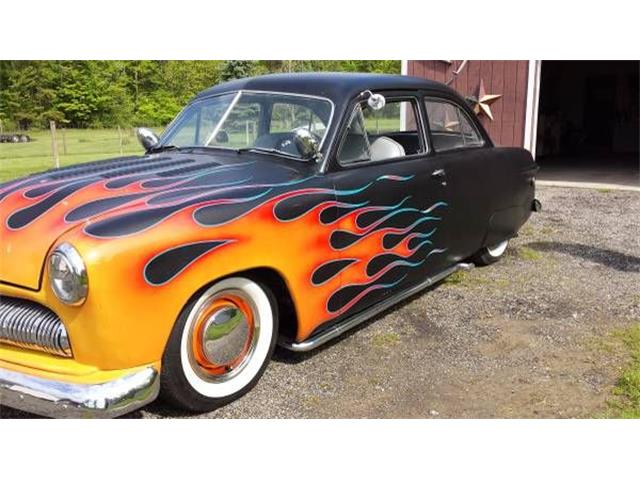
(335, 86)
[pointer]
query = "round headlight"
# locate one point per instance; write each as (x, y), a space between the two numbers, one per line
(68, 275)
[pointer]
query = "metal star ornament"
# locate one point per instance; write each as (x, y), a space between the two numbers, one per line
(482, 100)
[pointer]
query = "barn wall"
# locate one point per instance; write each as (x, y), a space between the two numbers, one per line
(505, 77)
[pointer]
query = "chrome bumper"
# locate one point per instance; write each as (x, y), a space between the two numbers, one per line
(52, 398)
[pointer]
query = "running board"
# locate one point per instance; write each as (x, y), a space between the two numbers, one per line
(351, 322)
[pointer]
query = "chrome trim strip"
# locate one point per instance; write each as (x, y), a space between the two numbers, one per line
(57, 399)
(351, 322)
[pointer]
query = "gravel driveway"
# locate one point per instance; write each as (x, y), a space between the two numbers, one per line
(522, 338)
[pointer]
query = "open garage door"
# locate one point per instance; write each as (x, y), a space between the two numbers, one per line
(588, 122)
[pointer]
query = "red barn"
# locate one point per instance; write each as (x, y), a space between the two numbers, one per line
(580, 119)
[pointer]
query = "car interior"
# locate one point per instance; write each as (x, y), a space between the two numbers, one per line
(376, 134)
(282, 141)
(381, 147)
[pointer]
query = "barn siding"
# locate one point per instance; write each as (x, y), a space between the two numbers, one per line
(505, 77)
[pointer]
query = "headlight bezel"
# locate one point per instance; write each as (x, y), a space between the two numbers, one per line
(65, 253)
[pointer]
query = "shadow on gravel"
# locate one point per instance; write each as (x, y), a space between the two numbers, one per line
(163, 410)
(609, 258)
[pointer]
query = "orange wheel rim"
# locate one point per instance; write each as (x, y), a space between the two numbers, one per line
(223, 334)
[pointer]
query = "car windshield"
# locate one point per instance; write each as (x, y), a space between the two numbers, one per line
(250, 120)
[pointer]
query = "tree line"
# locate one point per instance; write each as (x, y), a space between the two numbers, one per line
(110, 93)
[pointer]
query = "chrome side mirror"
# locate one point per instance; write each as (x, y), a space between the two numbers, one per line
(147, 138)
(375, 101)
(306, 143)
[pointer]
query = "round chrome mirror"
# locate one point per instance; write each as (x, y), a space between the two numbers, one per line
(147, 138)
(375, 101)
(306, 143)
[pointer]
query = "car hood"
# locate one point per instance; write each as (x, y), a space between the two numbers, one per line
(36, 210)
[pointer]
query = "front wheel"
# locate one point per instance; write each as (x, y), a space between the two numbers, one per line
(491, 254)
(220, 345)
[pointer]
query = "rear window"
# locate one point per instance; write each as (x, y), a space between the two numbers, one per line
(450, 126)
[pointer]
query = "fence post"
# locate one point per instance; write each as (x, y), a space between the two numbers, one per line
(1, 128)
(54, 144)
(120, 137)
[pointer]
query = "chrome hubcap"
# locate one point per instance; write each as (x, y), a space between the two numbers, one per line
(497, 250)
(225, 335)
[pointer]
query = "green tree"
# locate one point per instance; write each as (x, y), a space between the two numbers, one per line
(233, 69)
(185, 78)
(126, 93)
(29, 98)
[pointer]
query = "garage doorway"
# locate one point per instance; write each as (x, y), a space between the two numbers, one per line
(588, 122)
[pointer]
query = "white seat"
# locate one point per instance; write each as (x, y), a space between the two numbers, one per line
(385, 147)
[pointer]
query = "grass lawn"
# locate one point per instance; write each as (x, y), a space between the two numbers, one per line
(18, 159)
(626, 403)
(84, 145)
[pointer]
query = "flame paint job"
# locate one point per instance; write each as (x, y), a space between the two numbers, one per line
(153, 230)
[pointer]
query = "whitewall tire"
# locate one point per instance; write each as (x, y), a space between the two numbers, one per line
(496, 251)
(490, 254)
(220, 345)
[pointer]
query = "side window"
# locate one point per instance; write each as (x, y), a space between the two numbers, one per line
(384, 134)
(286, 117)
(450, 126)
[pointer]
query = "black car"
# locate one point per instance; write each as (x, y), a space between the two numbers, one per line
(277, 209)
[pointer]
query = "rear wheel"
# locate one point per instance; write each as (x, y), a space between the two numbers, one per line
(491, 254)
(220, 345)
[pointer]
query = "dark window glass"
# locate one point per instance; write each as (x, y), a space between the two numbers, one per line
(450, 127)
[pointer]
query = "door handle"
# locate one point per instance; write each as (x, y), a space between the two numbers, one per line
(441, 176)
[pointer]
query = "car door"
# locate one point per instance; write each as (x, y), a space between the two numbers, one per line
(390, 219)
(464, 154)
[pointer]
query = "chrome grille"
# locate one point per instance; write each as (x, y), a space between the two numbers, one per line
(30, 325)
